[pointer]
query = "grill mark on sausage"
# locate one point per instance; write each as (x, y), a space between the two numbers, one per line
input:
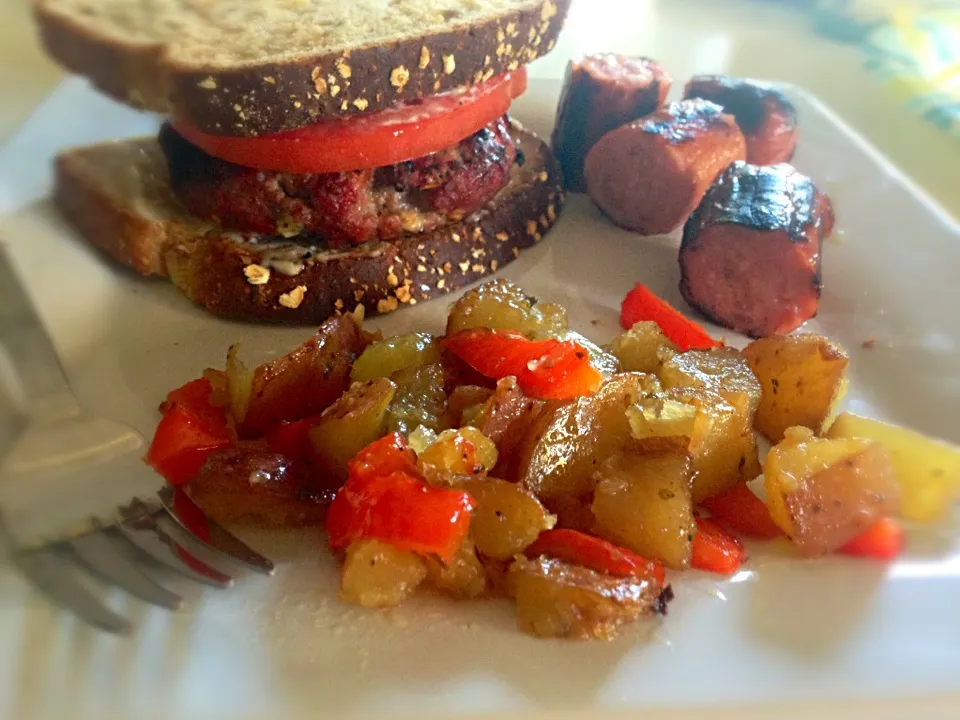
(683, 121)
(765, 198)
(747, 101)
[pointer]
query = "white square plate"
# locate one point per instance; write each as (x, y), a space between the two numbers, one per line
(784, 636)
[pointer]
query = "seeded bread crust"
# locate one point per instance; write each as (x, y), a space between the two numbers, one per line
(259, 99)
(293, 283)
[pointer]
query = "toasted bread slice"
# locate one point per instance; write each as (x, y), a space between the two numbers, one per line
(247, 67)
(116, 195)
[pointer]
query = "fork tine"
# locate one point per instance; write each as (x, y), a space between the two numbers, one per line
(184, 540)
(55, 577)
(193, 545)
(149, 539)
(219, 538)
(106, 559)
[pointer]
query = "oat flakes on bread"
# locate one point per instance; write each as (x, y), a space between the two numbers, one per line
(248, 67)
(316, 155)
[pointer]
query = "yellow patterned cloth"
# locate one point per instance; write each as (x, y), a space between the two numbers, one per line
(911, 46)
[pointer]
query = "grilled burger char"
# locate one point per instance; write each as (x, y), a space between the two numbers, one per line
(345, 208)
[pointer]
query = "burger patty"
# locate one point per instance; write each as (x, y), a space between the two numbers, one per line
(344, 208)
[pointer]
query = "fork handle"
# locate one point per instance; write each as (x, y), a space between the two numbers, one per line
(39, 383)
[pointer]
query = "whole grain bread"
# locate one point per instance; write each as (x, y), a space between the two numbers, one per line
(118, 196)
(132, 216)
(248, 67)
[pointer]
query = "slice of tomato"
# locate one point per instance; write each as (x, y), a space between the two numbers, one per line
(404, 132)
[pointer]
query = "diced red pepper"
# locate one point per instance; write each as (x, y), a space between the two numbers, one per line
(401, 510)
(641, 304)
(190, 515)
(715, 550)
(497, 353)
(545, 369)
(561, 378)
(742, 512)
(591, 552)
(194, 397)
(883, 541)
(195, 521)
(385, 456)
(291, 437)
(182, 443)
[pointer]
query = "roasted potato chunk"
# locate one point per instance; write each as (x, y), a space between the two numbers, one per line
(802, 377)
(385, 357)
(643, 348)
(823, 493)
(376, 575)
(420, 400)
(724, 370)
(242, 484)
(658, 416)
(454, 453)
(303, 382)
(463, 578)
(501, 305)
(606, 362)
(354, 421)
(555, 599)
(642, 500)
(573, 513)
(506, 415)
(465, 403)
(723, 446)
(568, 440)
(928, 470)
(506, 517)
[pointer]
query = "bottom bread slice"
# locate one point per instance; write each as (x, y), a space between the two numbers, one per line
(116, 195)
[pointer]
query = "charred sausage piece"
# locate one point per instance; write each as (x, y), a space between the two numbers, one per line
(765, 115)
(750, 255)
(600, 93)
(649, 175)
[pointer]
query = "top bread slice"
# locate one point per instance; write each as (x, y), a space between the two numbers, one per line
(251, 67)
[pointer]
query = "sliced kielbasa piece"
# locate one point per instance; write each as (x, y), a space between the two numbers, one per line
(650, 174)
(750, 255)
(765, 115)
(602, 92)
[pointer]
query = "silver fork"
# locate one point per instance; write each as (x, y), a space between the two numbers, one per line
(76, 500)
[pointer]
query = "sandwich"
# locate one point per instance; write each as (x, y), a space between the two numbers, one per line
(315, 156)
